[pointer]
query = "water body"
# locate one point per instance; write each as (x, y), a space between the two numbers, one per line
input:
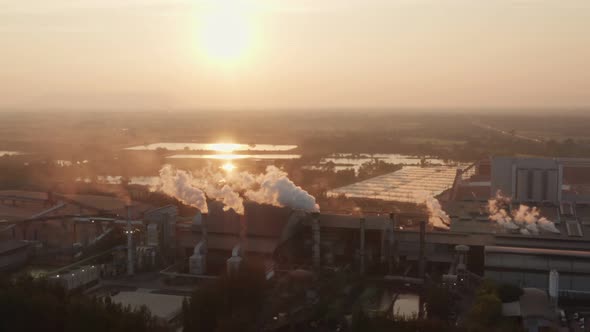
(235, 156)
(213, 147)
(354, 161)
(10, 153)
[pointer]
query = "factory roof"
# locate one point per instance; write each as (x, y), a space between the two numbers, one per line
(24, 194)
(19, 212)
(352, 221)
(35, 203)
(107, 203)
(258, 220)
(12, 245)
(408, 184)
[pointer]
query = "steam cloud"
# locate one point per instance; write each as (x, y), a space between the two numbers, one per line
(178, 184)
(277, 189)
(527, 220)
(272, 187)
(437, 216)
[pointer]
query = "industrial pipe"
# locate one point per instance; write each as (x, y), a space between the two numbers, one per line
(315, 229)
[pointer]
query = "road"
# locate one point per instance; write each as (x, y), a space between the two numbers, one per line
(506, 133)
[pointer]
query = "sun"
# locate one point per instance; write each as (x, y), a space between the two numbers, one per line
(225, 32)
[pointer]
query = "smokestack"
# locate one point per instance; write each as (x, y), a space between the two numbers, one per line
(198, 261)
(315, 230)
(362, 247)
(130, 263)
(461, 251)
(243, 234)
(391, 248)
(204, 234)
(421, 262)
(554, 287)
(234, 262)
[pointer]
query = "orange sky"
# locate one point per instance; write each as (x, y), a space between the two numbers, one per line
(175, 54)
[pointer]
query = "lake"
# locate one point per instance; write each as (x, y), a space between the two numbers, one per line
(9, 153)
(235, 156)
(213, 147)
(344, 161)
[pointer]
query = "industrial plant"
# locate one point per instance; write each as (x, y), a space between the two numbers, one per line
(521, 221)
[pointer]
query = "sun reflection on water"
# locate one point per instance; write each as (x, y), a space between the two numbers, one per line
(228, 167)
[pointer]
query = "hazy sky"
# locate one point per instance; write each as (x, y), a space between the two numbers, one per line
(167, 54)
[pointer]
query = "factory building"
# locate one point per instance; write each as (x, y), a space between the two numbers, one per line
(375, 243)
(559, 189)
(528, 180)
(214, 240)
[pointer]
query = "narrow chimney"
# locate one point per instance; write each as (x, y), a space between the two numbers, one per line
(198, 261)
(243, 234)
(204, 234)
(362, 247)
(129, 231)
(315, 230)
(421, 258)
(391, 248)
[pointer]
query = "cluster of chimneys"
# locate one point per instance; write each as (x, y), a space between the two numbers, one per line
(198, 261)
(388, 246)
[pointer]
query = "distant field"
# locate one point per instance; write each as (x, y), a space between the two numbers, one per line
(433, 141)
(557, 136)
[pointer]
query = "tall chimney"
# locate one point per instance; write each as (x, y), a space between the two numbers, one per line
(198, 261)
(315, 230)
(362, 247)
(129, 231)
(554, 287)
(243, 234)
(204, 234)
(421, 261)
(391, 248)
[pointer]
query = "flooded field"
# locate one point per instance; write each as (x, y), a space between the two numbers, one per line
(212, 147)
(354, 161)
(409, 184)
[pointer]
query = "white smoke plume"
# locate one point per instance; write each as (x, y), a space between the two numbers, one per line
(437, 216)
(272, 187)
(527, 220)
(178, 184)
(225, 194)
(275, 188)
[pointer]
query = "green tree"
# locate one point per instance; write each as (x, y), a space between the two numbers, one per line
(438, 303)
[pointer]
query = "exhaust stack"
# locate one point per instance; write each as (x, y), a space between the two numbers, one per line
(362, 247)
(315, 230)
(389, 239)
(421, 257)
(129, 231)
(198, 261)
